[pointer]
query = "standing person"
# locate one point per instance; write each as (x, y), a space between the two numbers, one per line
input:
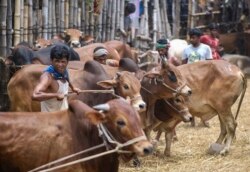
(211, 39)
(244, 19)
(196, 51)
(100, 55)
(54, 82)
(162, 47)
(129, 9)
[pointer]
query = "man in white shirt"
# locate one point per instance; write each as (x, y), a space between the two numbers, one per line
(196, 51)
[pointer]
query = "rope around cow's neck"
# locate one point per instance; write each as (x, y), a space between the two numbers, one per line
(102, 132)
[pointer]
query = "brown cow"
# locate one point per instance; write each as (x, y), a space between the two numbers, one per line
(216, 85)
(73, 37)
(29, 140)
(21, 86)
(123, 49)
(42, 43)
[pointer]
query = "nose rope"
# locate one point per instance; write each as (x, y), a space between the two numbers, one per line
(102, 132)
(175, 109)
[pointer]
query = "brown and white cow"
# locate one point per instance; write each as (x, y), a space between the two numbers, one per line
(31, 139)
(73, 37)
(42, 43)
(21, 86)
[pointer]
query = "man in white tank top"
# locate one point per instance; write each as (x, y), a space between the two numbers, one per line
(54, 82)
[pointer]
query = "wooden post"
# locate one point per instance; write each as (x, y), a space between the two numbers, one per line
(113, 20)
(104, 21)
(30, 22)
(25, 23)
(54, 23)
(50, 19)
(45, 18)
(75, 13)
(71, 13)
(9, 26)
(17, 22)
(91, 19)
(62, 13)
(83, 21)
(21, 19)
(3, 17)
(66, 23)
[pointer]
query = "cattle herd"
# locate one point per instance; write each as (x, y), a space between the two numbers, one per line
(100, 129)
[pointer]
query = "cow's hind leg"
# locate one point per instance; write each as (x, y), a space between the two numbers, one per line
(223, 131)
(230, 124)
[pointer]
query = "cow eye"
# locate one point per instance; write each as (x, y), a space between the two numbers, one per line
(121, 123)
(126, 87)
(171, 76)
(178, 100)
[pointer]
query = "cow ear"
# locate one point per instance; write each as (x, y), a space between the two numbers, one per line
(108, 84)
(96, 117)
(152, 75)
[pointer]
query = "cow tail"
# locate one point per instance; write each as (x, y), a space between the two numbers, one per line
(242, 94)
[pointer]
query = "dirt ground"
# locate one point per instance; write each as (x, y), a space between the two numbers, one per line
(189, 152)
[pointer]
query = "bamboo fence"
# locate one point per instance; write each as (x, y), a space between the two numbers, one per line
(27, 20)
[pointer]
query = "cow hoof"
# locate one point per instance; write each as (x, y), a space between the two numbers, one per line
(215, 149)
(206, 124)
(224, 152)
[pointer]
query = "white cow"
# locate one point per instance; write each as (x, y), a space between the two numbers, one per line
(176, 48)
(243, 62)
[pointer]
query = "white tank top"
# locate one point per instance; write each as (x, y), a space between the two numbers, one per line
(53, 104)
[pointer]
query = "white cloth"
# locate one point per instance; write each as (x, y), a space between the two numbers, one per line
(100, 52)
(53, 105)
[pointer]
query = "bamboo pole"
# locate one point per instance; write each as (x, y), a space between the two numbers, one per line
(54, 18)
(75, 13)
(56, 7)
(91, 19)
(104, 17)
(66, 15)
(62, 14)
(79, 18)
(71, 13)
(83, 24)
(45, 18)
(17, 22)
(50, 19)
(3, 27)
(87, 9)
(25, 24)
(9, 26)
(21, 19)
(113, 20)
(108, 22)
(30, 22)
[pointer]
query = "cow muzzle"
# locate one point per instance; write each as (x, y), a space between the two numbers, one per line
(75, 44)
(143, 148)
(138, 103)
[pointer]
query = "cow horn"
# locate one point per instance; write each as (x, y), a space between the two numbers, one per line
(104, 107)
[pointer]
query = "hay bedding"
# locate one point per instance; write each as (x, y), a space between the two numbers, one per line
(188, 154)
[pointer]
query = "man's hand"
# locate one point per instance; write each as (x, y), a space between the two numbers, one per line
(76, 90)
(60, 96)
